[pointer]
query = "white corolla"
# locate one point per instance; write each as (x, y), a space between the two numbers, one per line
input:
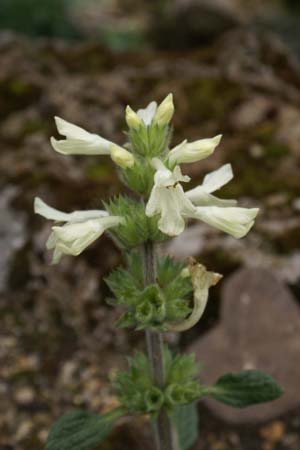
(80, 142)
(188, 152)
(174, 206)
(80, 229)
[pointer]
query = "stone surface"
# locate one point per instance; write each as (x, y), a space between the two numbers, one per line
(259, 329)
(12, 232)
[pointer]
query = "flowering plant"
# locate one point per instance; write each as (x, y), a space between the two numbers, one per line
(155, 294)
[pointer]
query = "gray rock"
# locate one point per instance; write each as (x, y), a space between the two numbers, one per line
(200, 21)
(259, 329)
(12, 232)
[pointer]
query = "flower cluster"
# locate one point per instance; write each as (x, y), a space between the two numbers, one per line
(149, 167)
(138, 394)
(156, 305)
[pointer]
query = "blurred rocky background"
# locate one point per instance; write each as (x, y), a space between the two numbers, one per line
(233, 66)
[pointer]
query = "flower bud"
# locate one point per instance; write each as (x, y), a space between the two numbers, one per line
(164, 111)
(121, 157)
(188, 152)
(132, 119)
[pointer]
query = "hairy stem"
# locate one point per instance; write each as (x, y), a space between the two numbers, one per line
(165, 435)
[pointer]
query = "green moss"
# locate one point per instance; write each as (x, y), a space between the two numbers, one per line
(264, 134)
(254, 181)
(18, 87)
(33, 125)
(276, 150)
(101, 171)
(211, 98)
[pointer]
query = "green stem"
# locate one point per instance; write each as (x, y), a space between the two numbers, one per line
(165, 435)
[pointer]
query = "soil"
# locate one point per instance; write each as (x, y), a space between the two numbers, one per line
(59, 344)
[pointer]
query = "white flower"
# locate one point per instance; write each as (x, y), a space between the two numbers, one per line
(167, 199)
(174, 206)
(188, 152)
(161, 114)
(80, 230)
(78, 141)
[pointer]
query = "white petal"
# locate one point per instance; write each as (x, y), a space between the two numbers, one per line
(233, 220)
(73, 238)
(78, 216)
(177, 175)
(166, 177)
(158, 164)
(77, 245)
(199, 197)
(51, 242)
(152, 206)
(57, 254)
(70, 130)
(71, 231)
(171, 221)
(94, 145)
(40, 207)
(172, 205)
(175, 152)
(147, 113)
(163, 178)
(193, 151)
(218, 178)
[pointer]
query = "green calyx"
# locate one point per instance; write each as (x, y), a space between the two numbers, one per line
(150, 141)
(137, 227)
(146, 142)
(140, 176)
(139, 395)
(155, 305)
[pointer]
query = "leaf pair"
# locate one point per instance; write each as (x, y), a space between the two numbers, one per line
(81, 430)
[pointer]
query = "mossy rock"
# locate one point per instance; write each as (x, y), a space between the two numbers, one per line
(210, 98)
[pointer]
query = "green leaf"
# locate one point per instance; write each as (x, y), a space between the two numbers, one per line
(185, 419)
(81, 430)
(245, 388)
